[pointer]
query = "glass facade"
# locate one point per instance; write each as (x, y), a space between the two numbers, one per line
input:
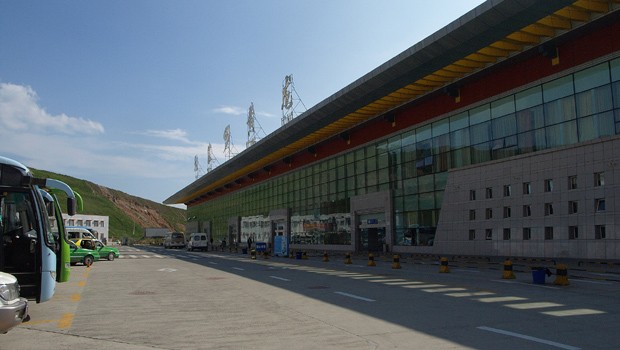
(413, 165)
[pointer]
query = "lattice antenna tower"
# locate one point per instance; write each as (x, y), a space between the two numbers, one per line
(290, 100)
(228, 145)
(210, 158)
(252, 121)
(197, 168)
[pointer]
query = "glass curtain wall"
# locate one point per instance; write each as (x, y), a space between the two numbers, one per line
(413, 165)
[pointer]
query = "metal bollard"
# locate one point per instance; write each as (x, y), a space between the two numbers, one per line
(561, 275)
(508, 274)
(396, 261)
(325, 257)
(371, 260)
(347, 259)
(443, 265)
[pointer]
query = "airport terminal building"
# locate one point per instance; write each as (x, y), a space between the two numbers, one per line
(499, 135)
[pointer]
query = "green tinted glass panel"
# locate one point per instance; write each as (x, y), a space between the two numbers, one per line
(615, 69)
(408, 138)
(459, 121)
(558, 88)
(440, 127)
(423, 133)
(479, 114)
(502, 107)
(592, 77)
(528, 98)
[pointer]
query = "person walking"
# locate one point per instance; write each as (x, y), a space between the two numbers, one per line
(249, 244)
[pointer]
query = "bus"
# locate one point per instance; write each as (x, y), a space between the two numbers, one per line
(30, 249)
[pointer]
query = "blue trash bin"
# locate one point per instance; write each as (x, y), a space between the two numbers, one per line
(244, 250)
(298, 255)
(538, 275)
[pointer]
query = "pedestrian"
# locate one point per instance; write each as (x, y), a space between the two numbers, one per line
(249, 243)
(211, 243)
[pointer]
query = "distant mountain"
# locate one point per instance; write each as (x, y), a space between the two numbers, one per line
(129, 215)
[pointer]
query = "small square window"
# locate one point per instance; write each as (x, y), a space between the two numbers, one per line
(506, 234)
(548, 232)
(507, 212)
(599, 232)
(573, 232)
(548, 209)
(600, 204)
(488, 234)
(489, 192)
(489, 213)
(472, 235)
(572, 182)
(549, 185)
(527, 233)
(599, 179)
(527, 188)
(527, 211)
(472, 214)
(507, 190)
(572, 207)
(472, 195)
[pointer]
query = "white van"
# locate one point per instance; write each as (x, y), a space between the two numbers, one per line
(197, 241)
(77, 232)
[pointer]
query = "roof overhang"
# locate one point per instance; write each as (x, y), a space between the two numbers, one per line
(486, 35)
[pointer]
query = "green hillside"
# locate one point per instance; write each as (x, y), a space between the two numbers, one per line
(129, 215)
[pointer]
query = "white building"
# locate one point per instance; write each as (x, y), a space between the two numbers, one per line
(98, 223)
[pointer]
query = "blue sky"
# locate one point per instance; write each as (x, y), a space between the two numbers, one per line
(126, 93)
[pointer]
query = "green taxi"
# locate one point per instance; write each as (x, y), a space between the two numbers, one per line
(106, 252)
(81, 255)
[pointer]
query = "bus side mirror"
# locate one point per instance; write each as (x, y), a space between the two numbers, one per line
(71, 206)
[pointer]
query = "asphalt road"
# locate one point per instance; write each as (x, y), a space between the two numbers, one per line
(153, 298)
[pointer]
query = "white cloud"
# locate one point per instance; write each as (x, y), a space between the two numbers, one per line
(19, 111)
(174, 134)
(232, 110)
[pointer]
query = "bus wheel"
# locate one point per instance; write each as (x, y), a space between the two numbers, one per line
(88, 261)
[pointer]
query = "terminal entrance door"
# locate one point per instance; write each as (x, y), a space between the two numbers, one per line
(371, 232)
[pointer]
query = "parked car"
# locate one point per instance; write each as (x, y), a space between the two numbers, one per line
(174, 240)
(105, 252)
(81, 255)
(13, 308)
(197, 241)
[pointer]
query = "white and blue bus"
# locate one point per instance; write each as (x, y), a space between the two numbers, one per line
(30, 250)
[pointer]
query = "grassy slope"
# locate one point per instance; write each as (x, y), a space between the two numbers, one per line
(103, 201)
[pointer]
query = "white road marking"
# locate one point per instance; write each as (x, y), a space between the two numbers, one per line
(530, 338)
(238, 268)
(354, 296)
(280, 278)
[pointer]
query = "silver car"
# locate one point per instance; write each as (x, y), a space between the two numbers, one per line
(13, 308)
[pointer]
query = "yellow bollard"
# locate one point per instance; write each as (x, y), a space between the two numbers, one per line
(561, 275)
(371, 260)
(265, 255)
(304, 256)
(325, 257)
(253, 254)
(508, 274)
(347, 259)
(291, 255)
(443, 265)
(396, 261)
